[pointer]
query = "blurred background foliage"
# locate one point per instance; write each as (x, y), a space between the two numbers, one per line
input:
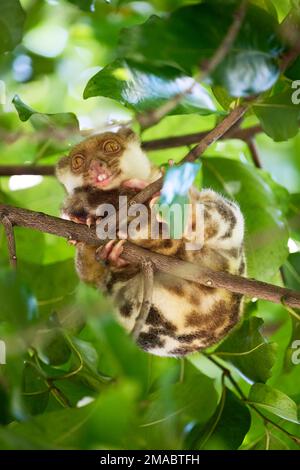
(73, 378)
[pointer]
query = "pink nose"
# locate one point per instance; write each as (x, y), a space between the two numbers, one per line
(97, 166)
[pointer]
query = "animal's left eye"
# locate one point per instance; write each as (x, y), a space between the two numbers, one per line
(111, 146)
(77, 162)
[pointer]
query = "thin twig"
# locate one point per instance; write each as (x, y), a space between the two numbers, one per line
(215, 134)
(167, 264)
(10, 170)
(11, 243)
(156, 144)
(152, 117)
(190, 139)
(148, 280)
(254, 153)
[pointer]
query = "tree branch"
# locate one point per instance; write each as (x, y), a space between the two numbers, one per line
(190, 139)
(155, 144)
(254, 153)
(10, 170)
(11, 244)
(148, 280)
(134, 254)
(233, 117)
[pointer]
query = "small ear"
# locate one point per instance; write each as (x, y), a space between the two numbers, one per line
(127, 133)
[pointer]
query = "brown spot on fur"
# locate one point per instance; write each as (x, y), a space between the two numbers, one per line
(232, 252)
(150, 340)
(211, 230)
(198, 334)
(126, 309)
(167, 243)
(183, 351)
(242, 266)
(156, 319)
(175, 289)
(193, 319)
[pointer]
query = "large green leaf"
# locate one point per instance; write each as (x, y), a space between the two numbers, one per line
(41, 120)
(144, 86)
(274, 401)
(225, 430)
(169, 411)
(107, 422)
(247, 349)
(279, 116)
(18, 305)
(12, 20)
(193, 33)
(266, 233)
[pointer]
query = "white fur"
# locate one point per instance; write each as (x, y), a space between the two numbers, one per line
(134, 162)
(70, 181)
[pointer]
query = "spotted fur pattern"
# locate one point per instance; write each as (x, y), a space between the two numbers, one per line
(184, 316)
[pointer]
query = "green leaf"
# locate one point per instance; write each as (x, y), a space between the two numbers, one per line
(291, 271)
(53, 284)
(19, 307)
(11, 24)
(248, 350)
(279, 116)
(274, 401)
(60, 129)
(108, 421)
(41, 120)
(294, 216)
(270, 442)
(52, 346)
(225, 430)
(266, 234)
(85, 5)
(35, 390)
(89, 374)
(193, 33)
(170, 410)
(143, 86)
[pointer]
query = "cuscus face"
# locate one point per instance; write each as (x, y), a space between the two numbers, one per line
(104, 161)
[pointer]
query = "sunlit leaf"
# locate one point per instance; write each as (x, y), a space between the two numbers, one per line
(249, 68)
(274, 401)
(143, 86)
(279, 116)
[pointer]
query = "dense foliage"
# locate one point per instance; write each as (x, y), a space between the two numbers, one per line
(73, 378)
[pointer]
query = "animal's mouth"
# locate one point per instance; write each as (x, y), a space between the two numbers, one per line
(102, 179)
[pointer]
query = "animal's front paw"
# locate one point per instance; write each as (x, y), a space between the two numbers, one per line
(110, 253)
(135, 183)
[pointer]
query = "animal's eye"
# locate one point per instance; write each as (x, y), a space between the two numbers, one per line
(77, 161)
(111, 146)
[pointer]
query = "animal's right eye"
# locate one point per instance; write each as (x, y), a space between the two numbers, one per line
(77, 161)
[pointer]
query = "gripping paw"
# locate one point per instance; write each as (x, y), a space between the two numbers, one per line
(110, 253)
(135, 183)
